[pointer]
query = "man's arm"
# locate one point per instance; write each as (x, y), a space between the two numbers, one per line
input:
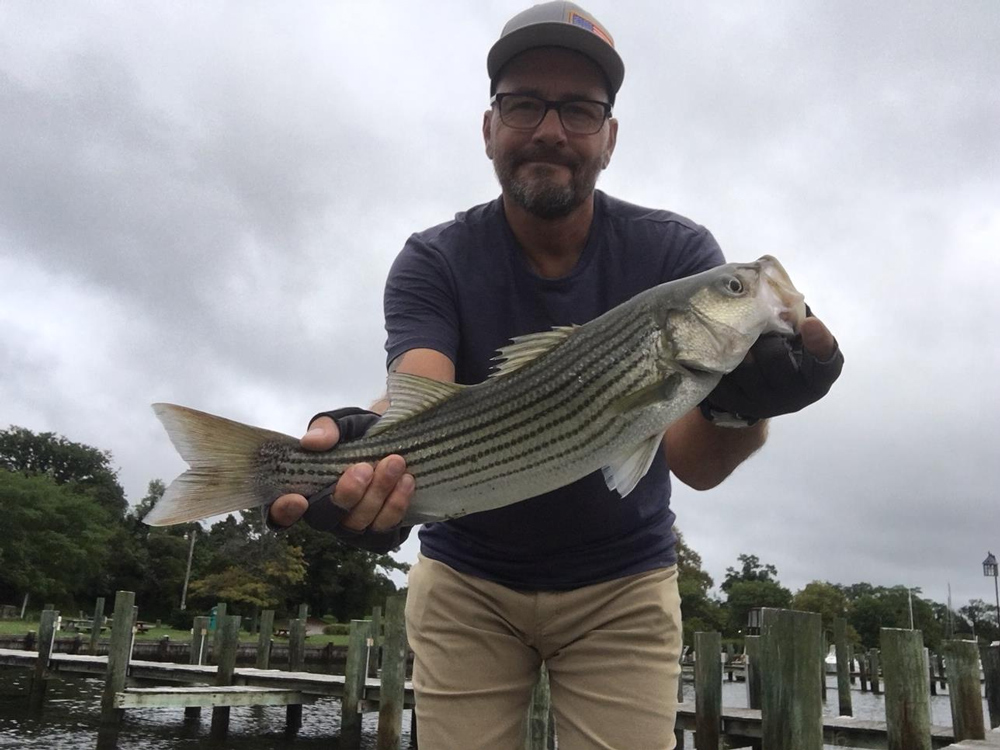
(376, 497)
(702, 455)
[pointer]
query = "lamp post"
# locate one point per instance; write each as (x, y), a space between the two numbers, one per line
(990, 570)
(753, 621)
(187, 574)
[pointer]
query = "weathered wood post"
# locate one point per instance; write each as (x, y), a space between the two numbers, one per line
(296, 661)
(707, 690)
(264, 639)
(199, 635)
(753, 671)
(822, 668)
(375, 657)
(119, 654)
(963, 688)
(862, 658)
(220, 612)
(873, 670)
(791, 705)
(991, 678)
(46, 635)
(354, 684)
(843, 666)
(539, 714)
(678, 731)
(907, 692)
(930, 671)
(95, 628)
(390, 714)
(227, 638)
(942, 677)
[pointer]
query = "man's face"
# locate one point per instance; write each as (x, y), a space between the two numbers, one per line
(548, 171)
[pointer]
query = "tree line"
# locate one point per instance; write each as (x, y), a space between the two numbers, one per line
(70, 536)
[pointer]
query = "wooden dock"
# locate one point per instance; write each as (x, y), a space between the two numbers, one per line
(154, 672)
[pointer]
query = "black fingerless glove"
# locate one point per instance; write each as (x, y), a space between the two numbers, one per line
(780, 377)
(324, 514)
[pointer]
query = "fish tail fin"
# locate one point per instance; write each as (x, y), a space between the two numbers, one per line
(224, 457)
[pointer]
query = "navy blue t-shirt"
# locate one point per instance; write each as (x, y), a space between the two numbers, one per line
(465, 289)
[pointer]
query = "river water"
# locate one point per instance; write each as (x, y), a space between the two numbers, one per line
(70, 718)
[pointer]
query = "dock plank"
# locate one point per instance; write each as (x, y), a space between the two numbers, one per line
(209, 696)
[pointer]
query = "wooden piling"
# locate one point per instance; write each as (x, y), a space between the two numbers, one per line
(539, 714)
(931, 671)
(296, 661)
(991, 677)
(227, 638)
(843, 667)
(942, 677)
(375, 655)
(354, 684)
(119, 654)
(95, 628)
(213, 655)
(790, 665)
(39, 679)
(264, 639)
(678, 730)
(752, 674)
(863, 671)
(907, 692)
(199, 635)
(390, 715)
(964, 691)
(707, 690)
(873, 670)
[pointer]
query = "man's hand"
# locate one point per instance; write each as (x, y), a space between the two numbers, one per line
(780, 375)
(375, 499)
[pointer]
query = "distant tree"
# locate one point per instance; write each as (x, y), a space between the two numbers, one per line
(751, 569)
(699, 612)
(746, 595)
(824, 598)
(981, 616)
(80, 467)
(340, 580)
(55, 540)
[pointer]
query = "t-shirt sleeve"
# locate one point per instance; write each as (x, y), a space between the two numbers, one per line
(699, 252)
(421, 309)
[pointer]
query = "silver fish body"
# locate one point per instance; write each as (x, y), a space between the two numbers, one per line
(562, 404)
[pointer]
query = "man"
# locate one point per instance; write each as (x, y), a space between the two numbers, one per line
(579, 578)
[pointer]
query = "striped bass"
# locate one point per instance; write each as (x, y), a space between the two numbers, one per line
(560, 405)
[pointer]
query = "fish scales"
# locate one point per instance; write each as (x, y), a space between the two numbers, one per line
(563, 404)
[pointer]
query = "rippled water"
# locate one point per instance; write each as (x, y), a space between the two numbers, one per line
(69, 720)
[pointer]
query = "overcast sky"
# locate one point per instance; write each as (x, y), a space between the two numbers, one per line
(199, 203)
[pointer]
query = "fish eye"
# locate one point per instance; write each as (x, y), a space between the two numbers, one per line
(734, 285)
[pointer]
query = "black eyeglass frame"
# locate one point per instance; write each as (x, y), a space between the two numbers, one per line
(497, 99)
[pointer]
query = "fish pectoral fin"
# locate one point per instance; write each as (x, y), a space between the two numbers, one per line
(523, 349)
(625, 474)
(653, 394)
(410, 395)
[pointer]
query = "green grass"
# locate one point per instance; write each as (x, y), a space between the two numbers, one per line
(21, 627)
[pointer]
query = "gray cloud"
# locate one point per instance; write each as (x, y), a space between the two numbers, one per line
(201, 207)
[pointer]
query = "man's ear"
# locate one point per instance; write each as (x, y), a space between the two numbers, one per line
(488, 132)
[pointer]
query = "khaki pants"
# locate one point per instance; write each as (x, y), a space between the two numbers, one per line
(611, 649)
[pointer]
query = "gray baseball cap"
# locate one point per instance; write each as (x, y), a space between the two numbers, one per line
(558, 24)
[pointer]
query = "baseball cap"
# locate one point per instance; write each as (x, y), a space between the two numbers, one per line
(558, 24)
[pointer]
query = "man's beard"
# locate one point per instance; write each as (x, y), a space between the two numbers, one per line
(542, 196)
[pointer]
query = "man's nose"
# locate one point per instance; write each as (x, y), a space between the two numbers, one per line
(550, 129)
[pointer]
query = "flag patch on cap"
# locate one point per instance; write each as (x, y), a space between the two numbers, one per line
(585, 23)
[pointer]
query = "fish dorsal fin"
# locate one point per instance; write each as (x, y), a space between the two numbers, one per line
(410, 395)
(523, 349)
(625, 473)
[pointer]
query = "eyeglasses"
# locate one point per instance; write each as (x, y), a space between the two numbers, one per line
(525, 112)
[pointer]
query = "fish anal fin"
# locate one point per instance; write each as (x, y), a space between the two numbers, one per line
(625, 474)
(524, 349)
(410, 395)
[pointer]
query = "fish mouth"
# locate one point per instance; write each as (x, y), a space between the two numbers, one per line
(788, 302)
